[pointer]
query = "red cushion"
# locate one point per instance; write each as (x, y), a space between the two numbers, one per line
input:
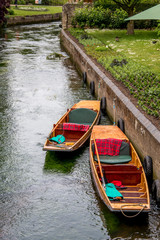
(75, 127)
(108, 146)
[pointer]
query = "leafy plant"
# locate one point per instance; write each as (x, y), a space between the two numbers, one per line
(101, 48)
(11, 12)
(117, 19)
(92, 17)
(141, 82)
(4, 4)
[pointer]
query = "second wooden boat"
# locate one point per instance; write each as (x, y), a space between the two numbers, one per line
(74, 128)
(117, 172)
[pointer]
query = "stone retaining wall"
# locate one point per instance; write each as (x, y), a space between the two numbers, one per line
(34, 19)
(67, 14)
(142, 133)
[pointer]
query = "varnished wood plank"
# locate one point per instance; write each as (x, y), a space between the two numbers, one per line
(132, 200)
(130, 194)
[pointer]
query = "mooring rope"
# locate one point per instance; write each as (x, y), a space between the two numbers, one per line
(136, 213)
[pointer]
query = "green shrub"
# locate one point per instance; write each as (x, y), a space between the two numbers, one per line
(105, 4)
(58, 2)
(20, 2)
(45, 2)
(99, 18)
(101, 49)
(10, 11)
(117, 19)
(145, 4)
(30, 2)
(92, 17)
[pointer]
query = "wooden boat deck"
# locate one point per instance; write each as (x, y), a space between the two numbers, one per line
(101, 132)
(94, 105)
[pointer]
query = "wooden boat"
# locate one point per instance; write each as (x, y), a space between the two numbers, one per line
(108, 169)
(75, 127)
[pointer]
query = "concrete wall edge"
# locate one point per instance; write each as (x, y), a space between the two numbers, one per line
(31, 19)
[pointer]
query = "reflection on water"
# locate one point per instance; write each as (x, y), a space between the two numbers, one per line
(60, 162)
(63, 162)
(48, 195)
(117, 225)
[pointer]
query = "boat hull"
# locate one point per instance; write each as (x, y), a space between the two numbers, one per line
(74, 139)
(136, 194)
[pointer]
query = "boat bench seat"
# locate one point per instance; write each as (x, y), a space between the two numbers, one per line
(123, 157)
(114, 159)
(83, 116)
(71, 131)
(127, 174)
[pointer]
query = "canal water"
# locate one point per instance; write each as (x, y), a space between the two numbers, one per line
(48, 196)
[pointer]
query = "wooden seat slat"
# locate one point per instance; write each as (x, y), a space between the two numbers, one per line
(130, 194)
(122, 174)
(132, 200)
(131, 189)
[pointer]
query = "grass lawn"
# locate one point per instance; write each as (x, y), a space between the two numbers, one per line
(140, 47)
(132, 60)
(24, 10)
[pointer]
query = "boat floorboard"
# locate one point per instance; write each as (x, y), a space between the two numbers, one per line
(131, 189)
(67, 141)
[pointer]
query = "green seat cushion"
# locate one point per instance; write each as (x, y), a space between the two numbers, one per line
(113, 159)
(82, 116)
(124, 149)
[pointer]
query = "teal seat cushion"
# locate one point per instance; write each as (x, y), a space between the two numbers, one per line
(82, 116)
(58, 139)
(112, 192)
(113, 159)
